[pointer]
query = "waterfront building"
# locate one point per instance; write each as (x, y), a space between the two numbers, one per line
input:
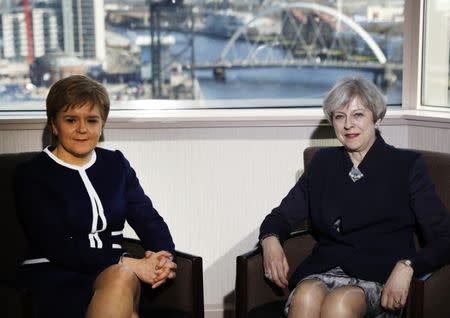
(380, 13)
(84, 28)
(51, 67)
(225, 22)
(68, 27)
(46, 37)
(13, 32)
(42, 32)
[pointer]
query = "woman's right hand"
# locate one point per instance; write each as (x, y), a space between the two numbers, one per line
(276, 267)
(165, 268)
(153, 269)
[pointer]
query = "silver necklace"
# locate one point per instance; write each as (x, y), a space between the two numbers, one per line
(355, 174)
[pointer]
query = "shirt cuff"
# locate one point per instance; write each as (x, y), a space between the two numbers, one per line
(267, 235)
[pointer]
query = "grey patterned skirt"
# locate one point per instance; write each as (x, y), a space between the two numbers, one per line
(336, 277)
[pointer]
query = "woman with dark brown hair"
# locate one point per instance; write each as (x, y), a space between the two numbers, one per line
(73, 200)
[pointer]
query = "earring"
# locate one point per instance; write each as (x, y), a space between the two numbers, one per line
(377, 125)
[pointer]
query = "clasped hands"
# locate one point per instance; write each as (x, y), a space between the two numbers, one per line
(154, 268)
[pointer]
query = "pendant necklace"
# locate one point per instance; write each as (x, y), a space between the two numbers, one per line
(355, 174)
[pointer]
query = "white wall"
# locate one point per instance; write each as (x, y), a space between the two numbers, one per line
(429, 138)
(214, 185)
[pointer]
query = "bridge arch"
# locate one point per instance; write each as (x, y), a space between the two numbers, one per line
(311, 6)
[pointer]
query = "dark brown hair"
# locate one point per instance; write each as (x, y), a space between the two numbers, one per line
(75, 91)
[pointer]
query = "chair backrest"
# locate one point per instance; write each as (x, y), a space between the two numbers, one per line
(438, 164)
(11, 235)
(13, 303)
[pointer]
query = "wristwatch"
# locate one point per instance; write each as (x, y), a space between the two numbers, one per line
(407, 262)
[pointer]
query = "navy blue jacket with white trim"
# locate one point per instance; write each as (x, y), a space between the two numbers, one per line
(74, 216)
(378, 214)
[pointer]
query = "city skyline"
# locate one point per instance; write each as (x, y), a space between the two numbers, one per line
(68, 27)
(73, 27)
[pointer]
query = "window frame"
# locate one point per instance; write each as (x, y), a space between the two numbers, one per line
(427, 88)
(413, 62)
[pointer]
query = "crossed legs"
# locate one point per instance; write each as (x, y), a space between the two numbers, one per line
(312, 299)
(116, 294)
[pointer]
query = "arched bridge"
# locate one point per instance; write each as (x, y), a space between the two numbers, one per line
(304, 35)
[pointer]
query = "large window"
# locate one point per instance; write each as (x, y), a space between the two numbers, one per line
(436, 54)
(287, 51)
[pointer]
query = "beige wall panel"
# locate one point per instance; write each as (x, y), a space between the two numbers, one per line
(429, 138)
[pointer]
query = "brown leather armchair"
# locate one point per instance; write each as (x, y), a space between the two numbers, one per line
(257, 297)
(182, 297)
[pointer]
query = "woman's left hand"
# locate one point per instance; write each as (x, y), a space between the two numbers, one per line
(165, 269)
(395, 291)
(153, 269)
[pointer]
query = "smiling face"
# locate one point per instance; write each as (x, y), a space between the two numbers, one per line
(78, 130)
(355, 128)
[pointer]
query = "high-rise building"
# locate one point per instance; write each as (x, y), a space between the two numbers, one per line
(84, 28)
(13, 31)
(76, 27)
(45, 31)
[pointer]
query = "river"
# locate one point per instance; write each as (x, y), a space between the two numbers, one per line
(260, 83)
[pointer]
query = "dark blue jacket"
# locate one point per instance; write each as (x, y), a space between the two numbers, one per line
(377, 214)
(74, 216)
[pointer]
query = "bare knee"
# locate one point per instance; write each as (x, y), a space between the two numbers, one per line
(346, 301)
(117, 277)
(134, 315)
(307, 298)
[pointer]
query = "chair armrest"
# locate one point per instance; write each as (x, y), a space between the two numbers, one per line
(185, 292)
(430, 296)
(425, 277)
(252, 289)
